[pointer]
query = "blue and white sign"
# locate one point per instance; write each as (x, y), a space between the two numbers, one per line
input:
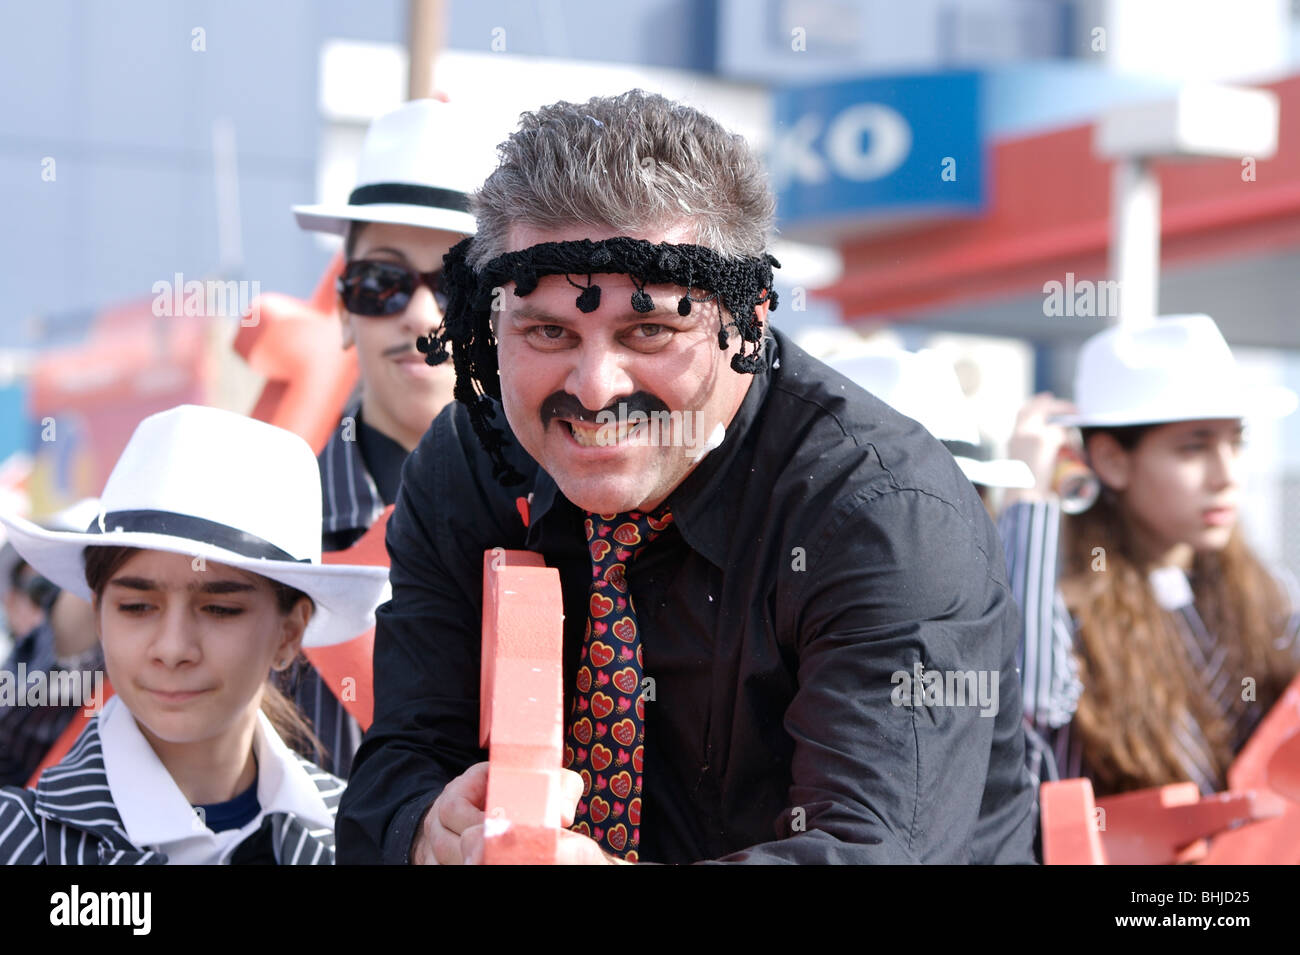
(888, 147)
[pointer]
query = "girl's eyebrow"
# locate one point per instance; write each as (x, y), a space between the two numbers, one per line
(207, 587)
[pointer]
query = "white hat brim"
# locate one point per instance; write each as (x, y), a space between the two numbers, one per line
(337, 218)
(345, 595)
(1000, 472)
(1259, 401)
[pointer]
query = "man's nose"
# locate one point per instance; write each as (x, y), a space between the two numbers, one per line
(598, 377)
(421, 313)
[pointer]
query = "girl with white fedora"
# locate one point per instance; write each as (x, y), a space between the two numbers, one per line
(1156, 644)
(203, 568)
(418, 165)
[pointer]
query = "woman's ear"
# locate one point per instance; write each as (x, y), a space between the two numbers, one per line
(292, 628)
(1109, 461)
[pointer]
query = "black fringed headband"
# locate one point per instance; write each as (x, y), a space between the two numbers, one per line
(738, 285)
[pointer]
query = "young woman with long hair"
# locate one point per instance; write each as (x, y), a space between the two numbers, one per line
(1154, 639)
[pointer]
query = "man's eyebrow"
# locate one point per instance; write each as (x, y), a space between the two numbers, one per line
(207, 586)
(536, 313)
(384, 248)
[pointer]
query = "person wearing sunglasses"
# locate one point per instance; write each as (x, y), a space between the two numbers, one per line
(407, 210)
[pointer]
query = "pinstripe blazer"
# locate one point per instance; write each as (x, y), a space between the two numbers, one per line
(351, 503)
(70, 818)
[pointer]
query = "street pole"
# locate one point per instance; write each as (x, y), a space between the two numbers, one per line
(424, 38)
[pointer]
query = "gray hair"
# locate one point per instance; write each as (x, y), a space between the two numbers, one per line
(632, 162)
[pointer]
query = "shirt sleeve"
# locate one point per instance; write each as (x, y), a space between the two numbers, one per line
(905, 585)
(427, 649)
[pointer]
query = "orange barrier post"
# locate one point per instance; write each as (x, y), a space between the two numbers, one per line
(521, 716)
(1255, 822)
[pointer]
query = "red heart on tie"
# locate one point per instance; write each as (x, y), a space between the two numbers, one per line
(625, 629)
(601, 757)
(599, 548)
(627, 534)
(634, 811)
(568, 756)
(586, 527)
(582, 731)
(586, 781)
(600, 653)
(601, 605)
(615, 574)
(625, 680)
(620, 785)
(601, 706)
(638, 759)
(657, 525)
(599, 809)
(584, 680)
(640, 708)
(624, 731)
(618, 837)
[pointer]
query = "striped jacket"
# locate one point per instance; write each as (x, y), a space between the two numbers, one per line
(351, 503)
(1049, 671)
(28, 732)
(70, 818)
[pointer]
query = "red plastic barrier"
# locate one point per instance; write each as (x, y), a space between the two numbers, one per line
(521, 707)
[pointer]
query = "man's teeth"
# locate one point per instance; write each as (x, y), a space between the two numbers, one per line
(602, 436)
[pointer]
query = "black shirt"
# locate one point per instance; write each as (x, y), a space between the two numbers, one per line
(384, 458)
(827, 545)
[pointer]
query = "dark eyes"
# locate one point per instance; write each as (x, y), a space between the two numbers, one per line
(645, 332)
(215, 610)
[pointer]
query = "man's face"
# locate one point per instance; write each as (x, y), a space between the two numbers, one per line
(560, 367)
(401, 393)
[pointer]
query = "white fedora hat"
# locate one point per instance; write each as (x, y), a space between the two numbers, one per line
(923, 385)
(1176, 368)
(218, 485)
(418, 165)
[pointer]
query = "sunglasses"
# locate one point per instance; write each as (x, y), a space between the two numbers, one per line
(378, 289)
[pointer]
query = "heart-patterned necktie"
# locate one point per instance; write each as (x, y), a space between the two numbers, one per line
(605, 741)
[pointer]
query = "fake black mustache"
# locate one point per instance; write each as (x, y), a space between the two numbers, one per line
(561, 404)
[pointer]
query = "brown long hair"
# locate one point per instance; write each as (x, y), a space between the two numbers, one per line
(1137, 676)
(102, 562)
